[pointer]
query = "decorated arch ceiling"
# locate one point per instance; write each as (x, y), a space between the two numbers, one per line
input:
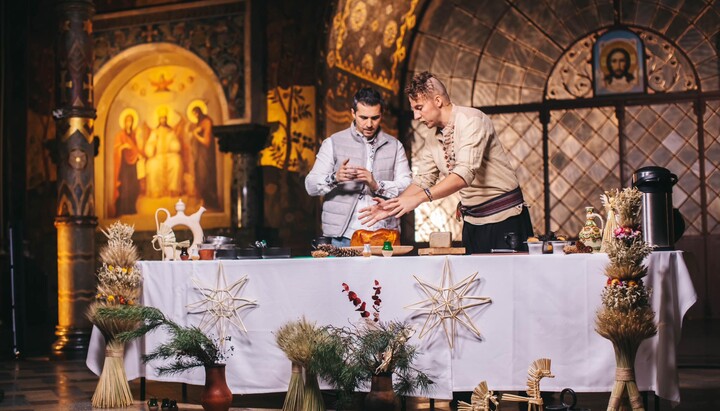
(493, 52)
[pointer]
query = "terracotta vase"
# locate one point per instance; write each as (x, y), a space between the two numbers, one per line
(216, 395)
(381, 396)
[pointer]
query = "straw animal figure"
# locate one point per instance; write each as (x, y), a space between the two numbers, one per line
(481, 399)
(538, 369)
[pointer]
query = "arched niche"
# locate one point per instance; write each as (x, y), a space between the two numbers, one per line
(153, 79)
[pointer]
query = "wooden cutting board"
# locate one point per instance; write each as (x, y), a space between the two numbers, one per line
(441, 251)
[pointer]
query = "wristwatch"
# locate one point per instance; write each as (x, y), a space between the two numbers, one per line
(330, 179)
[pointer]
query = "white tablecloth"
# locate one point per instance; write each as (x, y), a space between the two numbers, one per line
(542, 306)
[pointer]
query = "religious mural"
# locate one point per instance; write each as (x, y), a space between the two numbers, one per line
(159, 144)
(214, 33)
(619, 63)
(291, 113)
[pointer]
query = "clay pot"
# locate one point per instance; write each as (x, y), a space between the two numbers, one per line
(216, 395)
(381, 396)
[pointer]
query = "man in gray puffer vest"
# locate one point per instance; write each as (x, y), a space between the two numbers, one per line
(353, 166)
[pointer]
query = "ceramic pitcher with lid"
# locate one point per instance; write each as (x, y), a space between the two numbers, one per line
(591, 234)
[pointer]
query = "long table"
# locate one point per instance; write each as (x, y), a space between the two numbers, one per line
(542, 306)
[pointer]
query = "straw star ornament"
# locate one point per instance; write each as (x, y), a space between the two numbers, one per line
(446, 305)
(221, 304)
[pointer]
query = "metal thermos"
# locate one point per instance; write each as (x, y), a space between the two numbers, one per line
(656, 185)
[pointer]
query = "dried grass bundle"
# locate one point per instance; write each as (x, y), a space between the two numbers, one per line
(626, 330)
(298, 340)
(113, 390)
(626, 204)
(625, 253)
(294, 395)
(118, 289)
(626, 318)
(312, 396)
(608, 202)
(625, 272)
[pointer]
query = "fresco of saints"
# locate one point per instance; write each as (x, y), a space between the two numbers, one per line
(203, 148)
(164, 160)
(125, 158)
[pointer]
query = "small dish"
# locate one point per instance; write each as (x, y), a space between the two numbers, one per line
(558, 246)
(535, 247)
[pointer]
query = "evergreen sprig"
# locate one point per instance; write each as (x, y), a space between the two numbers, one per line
(189, 347)
(351, 356)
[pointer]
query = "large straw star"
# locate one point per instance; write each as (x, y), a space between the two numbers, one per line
(220, 304)
(446, 305)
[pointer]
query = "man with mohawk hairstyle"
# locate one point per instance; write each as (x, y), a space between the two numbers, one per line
(465, 156)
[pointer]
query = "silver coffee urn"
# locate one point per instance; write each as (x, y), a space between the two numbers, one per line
(656, 184)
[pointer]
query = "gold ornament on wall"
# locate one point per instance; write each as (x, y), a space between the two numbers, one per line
(390, 33)
(389, 27)
(358, 16)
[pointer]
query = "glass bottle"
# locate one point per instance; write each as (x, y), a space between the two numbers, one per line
(367, 251)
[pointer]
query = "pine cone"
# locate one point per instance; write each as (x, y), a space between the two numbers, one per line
(346, 252)
(339, 251)
(328, 248)
(319, 254)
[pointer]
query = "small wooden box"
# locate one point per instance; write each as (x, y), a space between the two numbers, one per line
(441, 239)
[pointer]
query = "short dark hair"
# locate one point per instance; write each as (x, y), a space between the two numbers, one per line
(369, 97)
(420, 85)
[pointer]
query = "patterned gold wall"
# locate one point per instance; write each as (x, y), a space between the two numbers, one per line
(367, 46)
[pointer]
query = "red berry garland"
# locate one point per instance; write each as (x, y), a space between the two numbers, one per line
(360, 305)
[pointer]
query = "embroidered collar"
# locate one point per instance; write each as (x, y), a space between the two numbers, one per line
(356, 133)
(446, 133)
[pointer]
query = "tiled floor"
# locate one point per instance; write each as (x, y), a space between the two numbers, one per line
(39, 384)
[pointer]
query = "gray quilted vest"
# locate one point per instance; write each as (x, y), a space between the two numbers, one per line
(340, 202)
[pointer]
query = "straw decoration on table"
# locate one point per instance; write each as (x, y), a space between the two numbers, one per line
(220, 305)
(626, 318)
(608, 201)
(480, 399)
(446, 305)
(538, 370)
(118, 288)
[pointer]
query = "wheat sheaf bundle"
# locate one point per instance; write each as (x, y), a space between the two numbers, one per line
(626, 317)
(298, 340)
(118, 288)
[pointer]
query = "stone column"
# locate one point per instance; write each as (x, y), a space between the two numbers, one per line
(76, 220)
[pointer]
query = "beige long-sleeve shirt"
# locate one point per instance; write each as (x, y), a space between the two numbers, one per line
(480, 160)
